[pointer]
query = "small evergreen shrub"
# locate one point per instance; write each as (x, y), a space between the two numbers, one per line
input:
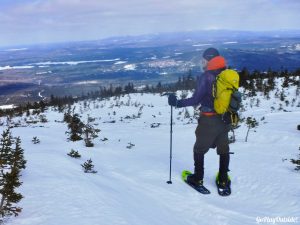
(35, 140)
(88, 166)
(74, 154)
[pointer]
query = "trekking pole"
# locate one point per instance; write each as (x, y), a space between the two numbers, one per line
(171, 132)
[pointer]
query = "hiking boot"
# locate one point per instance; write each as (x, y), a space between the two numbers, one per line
(224, 184)
(223, 181)
(191, 179)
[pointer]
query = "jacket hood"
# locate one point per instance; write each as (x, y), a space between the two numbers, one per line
(216, 63)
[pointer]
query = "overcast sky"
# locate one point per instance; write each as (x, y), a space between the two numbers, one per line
(35, 21)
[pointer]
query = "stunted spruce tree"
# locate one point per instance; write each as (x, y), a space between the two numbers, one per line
(75, 126)
(251, 123)
(90, 133)
(11, 163)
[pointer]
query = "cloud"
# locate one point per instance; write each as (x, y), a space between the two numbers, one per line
(59, 20)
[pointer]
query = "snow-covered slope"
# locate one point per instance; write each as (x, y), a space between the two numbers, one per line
(130, 186)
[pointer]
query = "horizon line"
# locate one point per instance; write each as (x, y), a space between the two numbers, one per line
(146, 34)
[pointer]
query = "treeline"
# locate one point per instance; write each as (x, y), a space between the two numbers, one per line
(253, 81)
(247, 77)
(184, 83)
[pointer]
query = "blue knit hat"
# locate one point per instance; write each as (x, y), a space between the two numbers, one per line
(210, 53)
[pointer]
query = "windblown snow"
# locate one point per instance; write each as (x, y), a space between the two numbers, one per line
(130, 186)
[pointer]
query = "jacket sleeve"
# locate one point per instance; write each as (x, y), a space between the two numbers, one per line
(198, 95)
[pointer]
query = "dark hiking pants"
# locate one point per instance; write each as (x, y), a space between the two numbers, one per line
(211, 132)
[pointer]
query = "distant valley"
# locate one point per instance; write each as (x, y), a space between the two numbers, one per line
(31, 73)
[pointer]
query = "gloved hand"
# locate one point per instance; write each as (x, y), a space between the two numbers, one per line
(172, 100)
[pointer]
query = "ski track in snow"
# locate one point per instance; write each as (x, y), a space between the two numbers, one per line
(130, 186)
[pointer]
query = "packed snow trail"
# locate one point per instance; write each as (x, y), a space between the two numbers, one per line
(130, 186)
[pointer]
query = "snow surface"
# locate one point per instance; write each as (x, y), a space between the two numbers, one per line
(40, 94)
(16, 49)
(88, 82)
(130, 186)
(44, 72)
(230, 42)
(15, 67)
(73, 63)
(130, 67)
(201, 45)
(163, 73)
(120, 62)
(6, 106)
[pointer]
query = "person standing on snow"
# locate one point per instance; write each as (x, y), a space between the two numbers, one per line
(211, 131)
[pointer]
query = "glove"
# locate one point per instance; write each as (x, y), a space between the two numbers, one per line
(172, 100)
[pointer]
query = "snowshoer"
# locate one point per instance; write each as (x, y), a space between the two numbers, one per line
(212, 131)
